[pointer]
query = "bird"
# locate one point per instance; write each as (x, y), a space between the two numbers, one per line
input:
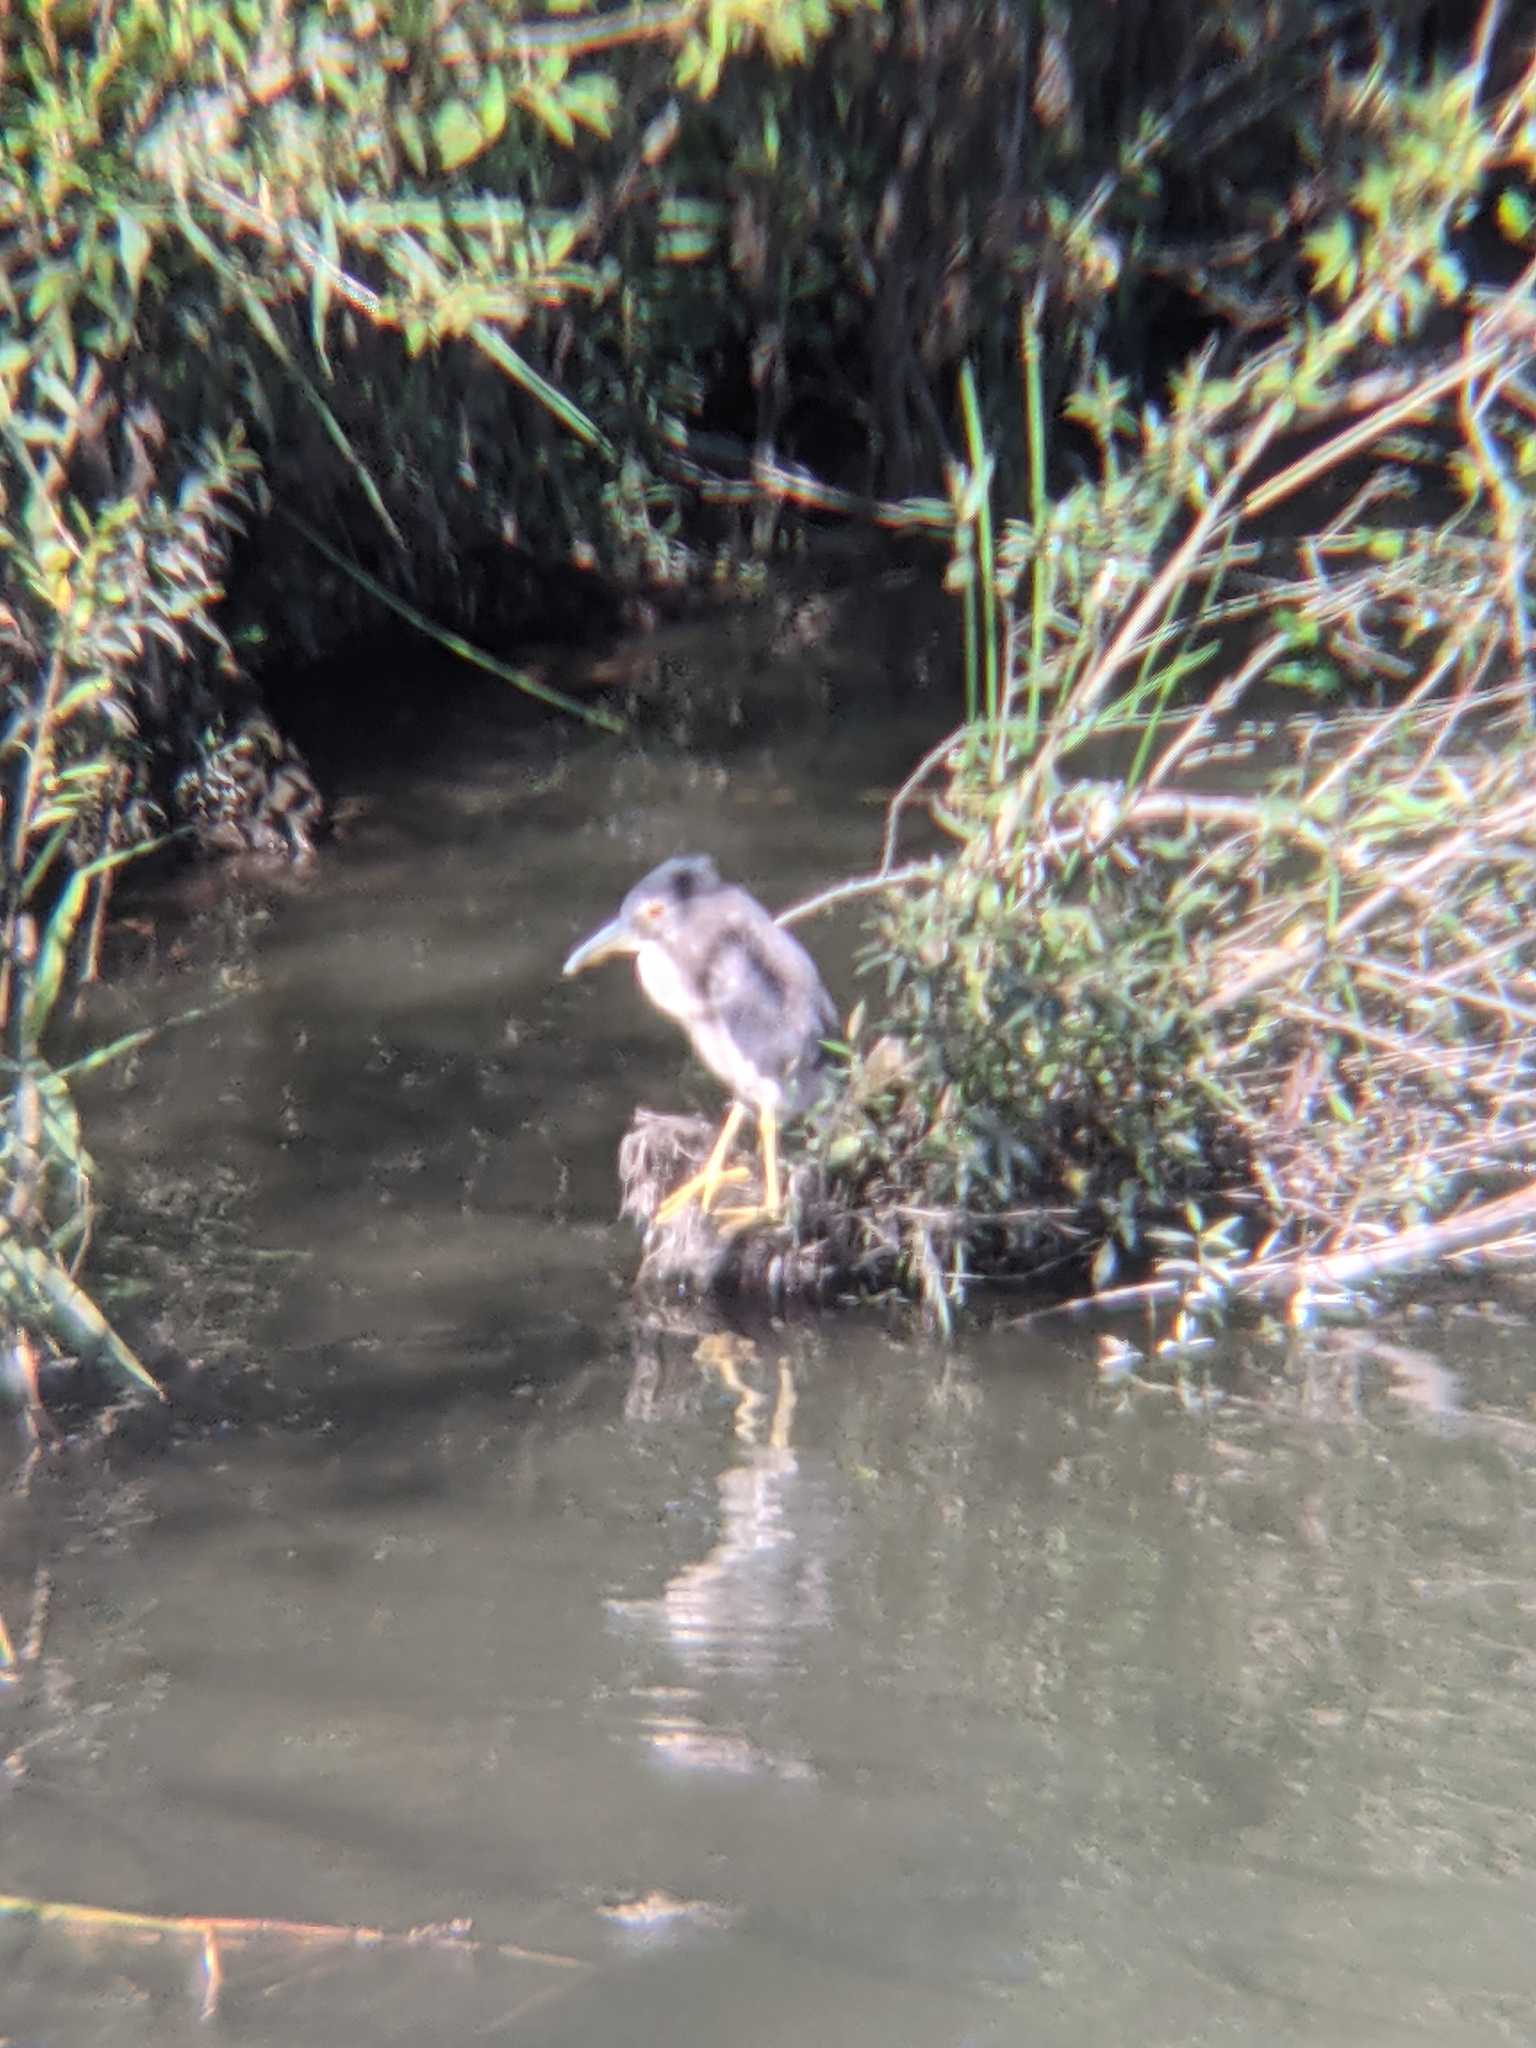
(747, 994)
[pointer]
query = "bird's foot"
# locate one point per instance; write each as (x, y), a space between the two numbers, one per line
(700, 1188)
(731, 1222)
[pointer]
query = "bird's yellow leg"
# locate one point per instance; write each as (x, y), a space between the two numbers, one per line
(702, 1186)
(768, 1138)
(768, 1210)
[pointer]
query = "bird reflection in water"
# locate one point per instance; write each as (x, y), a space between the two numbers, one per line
(737, 1611)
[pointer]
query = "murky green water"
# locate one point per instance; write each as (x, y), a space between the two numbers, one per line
(803, 1685)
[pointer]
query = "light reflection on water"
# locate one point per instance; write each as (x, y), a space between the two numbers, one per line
(741, 1609)
(795, 1683)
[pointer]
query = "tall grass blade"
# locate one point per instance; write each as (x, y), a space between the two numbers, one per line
(76, 1318)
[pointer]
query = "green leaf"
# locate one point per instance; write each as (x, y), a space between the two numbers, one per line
(688, 229)
(456, 133)
(550, 109)
(1448, 275)
(57, 283)
(561, 240)
(226, 37)
(43, 860)
(591, 99)
(326, 268)
(1331, 251)
(133, 247)
(59, 931)
(48, 972)
(492, 110)
(408, 133)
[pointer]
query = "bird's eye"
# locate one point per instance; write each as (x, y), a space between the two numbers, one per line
(650, 911)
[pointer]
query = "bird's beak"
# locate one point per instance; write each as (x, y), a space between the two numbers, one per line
(614, 937)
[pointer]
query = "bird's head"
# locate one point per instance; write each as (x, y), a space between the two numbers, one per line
(654, 913)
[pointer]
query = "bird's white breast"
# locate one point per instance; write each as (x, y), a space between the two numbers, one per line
(671, 991)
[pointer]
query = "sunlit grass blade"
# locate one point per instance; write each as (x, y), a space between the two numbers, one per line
(58, 935)
(554, 401)
(74, 1318)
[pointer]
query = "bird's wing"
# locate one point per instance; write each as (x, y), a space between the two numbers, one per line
(765, 990)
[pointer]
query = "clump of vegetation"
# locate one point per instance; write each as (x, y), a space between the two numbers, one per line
(1045, 1070)
(1203, 969)
(93, 602)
